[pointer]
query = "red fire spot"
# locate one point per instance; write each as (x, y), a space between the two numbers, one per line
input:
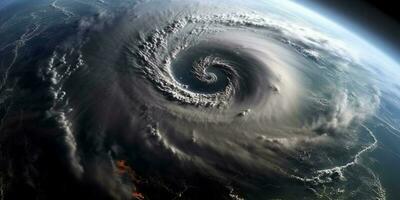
(137, 195)
(122, 167)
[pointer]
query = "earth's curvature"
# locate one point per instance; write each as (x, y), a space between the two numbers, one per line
(166, 99)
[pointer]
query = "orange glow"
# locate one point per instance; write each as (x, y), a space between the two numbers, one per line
(123, 169)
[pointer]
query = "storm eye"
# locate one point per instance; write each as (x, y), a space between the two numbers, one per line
(210, 77)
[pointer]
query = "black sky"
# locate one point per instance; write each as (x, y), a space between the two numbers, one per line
(379, 19)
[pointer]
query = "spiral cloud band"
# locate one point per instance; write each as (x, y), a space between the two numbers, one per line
(234, 95)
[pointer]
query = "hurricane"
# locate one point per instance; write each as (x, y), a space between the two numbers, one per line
(200, 100)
